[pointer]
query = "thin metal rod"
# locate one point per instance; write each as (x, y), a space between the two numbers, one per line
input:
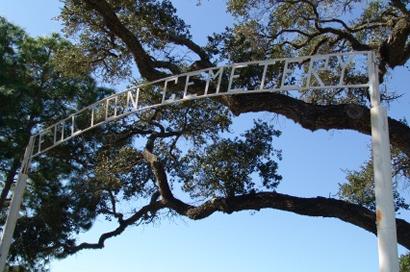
(14, 209)
(385, 212)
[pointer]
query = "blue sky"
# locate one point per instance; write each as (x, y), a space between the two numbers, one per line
(264, 241)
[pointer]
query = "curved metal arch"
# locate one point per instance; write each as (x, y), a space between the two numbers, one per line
(309, 78)
(308, 69)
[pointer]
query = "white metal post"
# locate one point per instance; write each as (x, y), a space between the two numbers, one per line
(385, 212)
(385, 219)
(14, 209)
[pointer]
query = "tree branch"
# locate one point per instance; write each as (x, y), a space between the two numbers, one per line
(162, 181)
(315, 117)
(316, 206)
(113, 23)
(204, 58)
(355, 43)
(152, 208)
(401, 6)
(146, 64)
(393, 50)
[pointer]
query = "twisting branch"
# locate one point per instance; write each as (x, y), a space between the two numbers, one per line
(204, 58)
(113, 23)
(298, 31)
(151, 209)
(316, 48)
(147, 65)
(113, 201)
(355, 43)
(309, 116)
(160, 174)
(315, 206)
(401, 6)
(315, 117)
(393, 51)
(168, 65)
(368, 26)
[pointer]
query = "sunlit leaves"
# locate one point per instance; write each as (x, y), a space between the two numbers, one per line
(359, 189)
(33, 93)
(151, 21)
(228, 167)
(405, 263)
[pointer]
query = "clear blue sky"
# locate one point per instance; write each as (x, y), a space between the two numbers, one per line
(265, 241)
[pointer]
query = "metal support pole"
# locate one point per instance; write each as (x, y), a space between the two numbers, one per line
(14, 209)
(385, 213)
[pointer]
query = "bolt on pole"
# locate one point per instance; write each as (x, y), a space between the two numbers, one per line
(385, 212)
(14, 209)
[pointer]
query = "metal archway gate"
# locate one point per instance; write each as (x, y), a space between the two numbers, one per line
(311, 73)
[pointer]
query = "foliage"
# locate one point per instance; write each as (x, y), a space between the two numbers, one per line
(33, 93)
(359, 189)
(90, 180)
(405, 263)
(225, 168)
(154, 20)
(157, 158)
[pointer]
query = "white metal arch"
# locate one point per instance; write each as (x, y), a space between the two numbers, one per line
(292, 74)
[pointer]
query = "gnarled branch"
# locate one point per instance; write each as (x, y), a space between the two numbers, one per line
(315, 206)
(315, 117)
(152, 208)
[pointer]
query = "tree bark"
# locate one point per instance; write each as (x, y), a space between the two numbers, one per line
(315, 117)
(394, 51)
(316, 206)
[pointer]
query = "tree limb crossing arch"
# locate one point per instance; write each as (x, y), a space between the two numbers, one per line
(351, 70)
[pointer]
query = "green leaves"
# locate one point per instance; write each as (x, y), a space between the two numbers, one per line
(153, 23)
(34, 93)
(45, 79)
(405, 263)
(359, 189)
(228, 167)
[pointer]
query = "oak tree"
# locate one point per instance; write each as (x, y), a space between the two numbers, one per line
(162, 157)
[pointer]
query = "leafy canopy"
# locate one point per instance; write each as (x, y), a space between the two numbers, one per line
(33, 93)
(162, 156)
